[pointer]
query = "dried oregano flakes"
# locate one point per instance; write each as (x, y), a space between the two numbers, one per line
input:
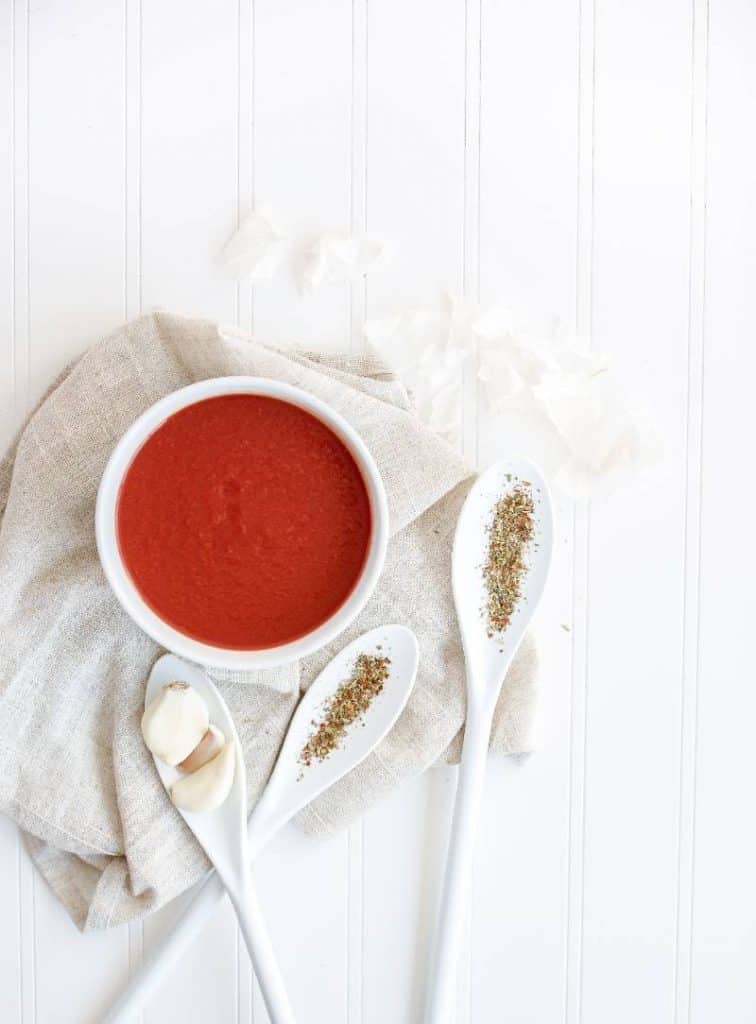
(510, 533)
(349, 704)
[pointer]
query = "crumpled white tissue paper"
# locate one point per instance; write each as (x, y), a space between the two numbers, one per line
(334, 258)
(608, 441)
(604, 441)
(255, 251)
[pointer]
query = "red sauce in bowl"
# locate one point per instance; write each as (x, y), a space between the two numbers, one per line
(244, 522)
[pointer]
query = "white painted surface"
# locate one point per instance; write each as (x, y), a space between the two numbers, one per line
(594, 160)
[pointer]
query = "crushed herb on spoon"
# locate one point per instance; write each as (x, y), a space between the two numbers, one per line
(509, 534)
(348, 705)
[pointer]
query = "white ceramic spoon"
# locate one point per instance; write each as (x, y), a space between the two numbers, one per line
(290, 788)
(223, 836)
(487, 660)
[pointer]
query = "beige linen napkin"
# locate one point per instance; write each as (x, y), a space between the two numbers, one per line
(74, 772)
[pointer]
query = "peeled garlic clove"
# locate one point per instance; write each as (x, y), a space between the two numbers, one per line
(207, 788)
(208, 747)
(175, 722)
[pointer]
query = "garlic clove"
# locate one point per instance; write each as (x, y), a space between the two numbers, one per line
(207, 788)
(175, 722)
(208, 747)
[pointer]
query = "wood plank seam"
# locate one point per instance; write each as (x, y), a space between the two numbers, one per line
(132, 144)
(245, 980)
(473, 101)
(245, 178)
(19, 927)
(132, 262)
(21, 217)
(355, 939)
(21, 360)
(584, 263)
(358, 178)
(689, 697)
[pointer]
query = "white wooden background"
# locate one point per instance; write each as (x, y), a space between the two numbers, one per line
(594, 159)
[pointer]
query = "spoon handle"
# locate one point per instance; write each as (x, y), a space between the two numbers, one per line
(458, 878)
(263, 958)
(205, 897)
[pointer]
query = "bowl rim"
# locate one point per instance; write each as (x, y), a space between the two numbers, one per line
(124, 588)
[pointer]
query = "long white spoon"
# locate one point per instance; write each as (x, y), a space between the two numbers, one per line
(487, 659)
(223, 836)
(291, 787)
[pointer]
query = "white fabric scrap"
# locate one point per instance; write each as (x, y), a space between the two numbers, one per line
(602, 439)
(255, 250)
(608, 441)
(334, 258)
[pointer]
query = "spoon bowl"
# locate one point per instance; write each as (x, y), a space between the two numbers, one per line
(487, 655)
(293, 785)
(221, 830)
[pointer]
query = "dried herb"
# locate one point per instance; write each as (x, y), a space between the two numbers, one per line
(509, 534)
(348, 705)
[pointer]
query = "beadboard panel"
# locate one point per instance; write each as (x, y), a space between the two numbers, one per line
(7, 220)
(16, 953)
(590, 161)
(302, 166)
(69, 209)
(188, 90)
(11, 934)
(723, 905)
(641, 234)
(74, 174)
(528, 229)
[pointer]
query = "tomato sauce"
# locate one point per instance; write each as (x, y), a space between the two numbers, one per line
(244, 522)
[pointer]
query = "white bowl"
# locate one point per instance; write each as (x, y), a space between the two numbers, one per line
(122, 584)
